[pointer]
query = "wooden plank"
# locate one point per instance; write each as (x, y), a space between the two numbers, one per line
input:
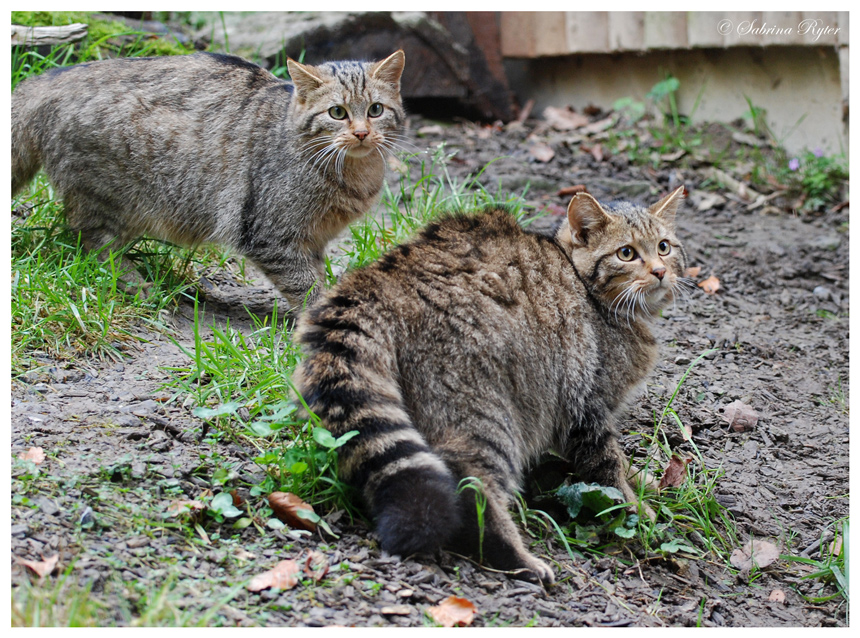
(626, 30)
(36, 36)
(781, 27)
(550, 33)
(518, 34)
(665, 30)
(819, 28)
(587, 31)
(842, 20)
(742, 22)
(704, 29)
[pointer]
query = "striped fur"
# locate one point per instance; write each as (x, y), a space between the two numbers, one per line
(476, 348)
(212, 148)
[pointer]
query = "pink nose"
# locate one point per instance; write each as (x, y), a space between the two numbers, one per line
(659, 272)
(360, 134)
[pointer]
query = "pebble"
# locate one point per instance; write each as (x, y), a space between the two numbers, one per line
(682, 360)
(822, 292)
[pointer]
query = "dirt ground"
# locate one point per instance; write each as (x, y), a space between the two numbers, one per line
(118, 452)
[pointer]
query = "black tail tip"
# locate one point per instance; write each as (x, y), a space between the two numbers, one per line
(416, 514)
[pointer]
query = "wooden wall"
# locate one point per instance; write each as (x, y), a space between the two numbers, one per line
(529, 34)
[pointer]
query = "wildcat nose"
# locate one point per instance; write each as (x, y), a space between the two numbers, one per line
(659, 272)
(360, 134)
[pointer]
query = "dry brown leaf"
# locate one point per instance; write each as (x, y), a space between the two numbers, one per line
(777, 596)
(453, 611)
(564, 119)
(316, 565)
(740, 416)
(599, 125)
(693, 271)
(182, 506)
(710, 285)
(541, 152)
(40, 567)
(567, 191)
(596, 151)
(237, 500)
(284, 575)
(676, 473)
(758, 552)
(35, 454)
(286, 506)
(836, 546)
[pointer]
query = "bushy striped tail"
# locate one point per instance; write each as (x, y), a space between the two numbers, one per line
(349, 381)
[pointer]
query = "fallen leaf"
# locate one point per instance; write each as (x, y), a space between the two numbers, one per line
(237, 500)
(243, 554)
(40, 567)
(740, 416)
(755, 552)
(564, 119)
(181, 506)
(600, 125)
(676, 473)
(286, 506)
(836, 546)
(541, 152)
(453, 611)
(710, 285)
(35, 454)
(316, 565)
(281, 576)
(567, 191)
(596, 151)
(777, 596)
(693, 271)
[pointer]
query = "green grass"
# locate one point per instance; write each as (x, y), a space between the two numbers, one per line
(65, 302)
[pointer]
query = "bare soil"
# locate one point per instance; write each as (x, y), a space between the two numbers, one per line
(119, 451)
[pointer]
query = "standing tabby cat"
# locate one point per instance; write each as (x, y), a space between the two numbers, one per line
(476, 348)
(212, 148)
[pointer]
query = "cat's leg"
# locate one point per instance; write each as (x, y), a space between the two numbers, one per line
(98, 234)
(298, 274)
(607, 464)
(488, 532)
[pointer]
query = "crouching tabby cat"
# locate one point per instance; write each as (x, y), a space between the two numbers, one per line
(212, 148)
(477, 347)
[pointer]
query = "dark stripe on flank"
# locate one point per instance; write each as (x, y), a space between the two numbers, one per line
(248, 218)
(232, 60)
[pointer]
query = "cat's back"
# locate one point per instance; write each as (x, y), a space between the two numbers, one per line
(169, 81)
(475, 276)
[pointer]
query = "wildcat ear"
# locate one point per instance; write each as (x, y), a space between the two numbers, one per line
(390, 69)
(304, 77)
(668, 206)
(584, 214)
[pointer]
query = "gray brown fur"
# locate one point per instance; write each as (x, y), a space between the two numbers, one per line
(212, 148)
(476, 348)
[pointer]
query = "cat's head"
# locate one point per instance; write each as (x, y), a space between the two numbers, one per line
(347, 109)
(627, 255)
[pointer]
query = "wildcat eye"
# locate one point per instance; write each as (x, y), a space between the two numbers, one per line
(375, 110)
(626, 253)
(337, 112)
(664, 248)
